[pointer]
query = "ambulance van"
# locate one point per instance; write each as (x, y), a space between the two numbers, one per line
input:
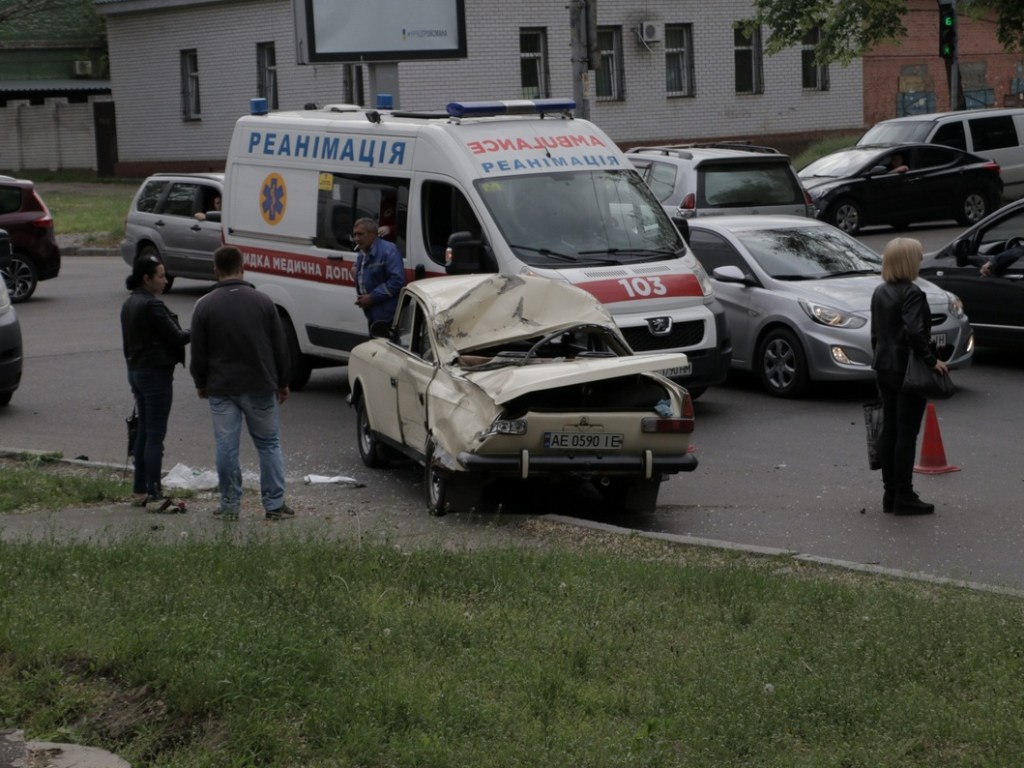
(512, 187)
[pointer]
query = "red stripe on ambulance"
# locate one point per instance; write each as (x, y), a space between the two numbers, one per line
(637, 288)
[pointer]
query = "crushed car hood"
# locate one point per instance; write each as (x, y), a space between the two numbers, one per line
(507, 383)
(484, 310)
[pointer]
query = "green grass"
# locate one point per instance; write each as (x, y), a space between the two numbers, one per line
(96, 211)
(273, 649)
(42, 482)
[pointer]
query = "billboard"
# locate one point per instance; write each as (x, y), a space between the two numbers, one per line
(355, 31)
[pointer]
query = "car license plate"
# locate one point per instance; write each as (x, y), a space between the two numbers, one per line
(673, 373)
(939, 340)
(588, 441)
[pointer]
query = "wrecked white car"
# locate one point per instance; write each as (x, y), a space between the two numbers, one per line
(490, 376)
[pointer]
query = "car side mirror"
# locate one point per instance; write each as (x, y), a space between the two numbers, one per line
(731, 274)
(466, 252)
(962, 252)
(683, 225)
(213, 216)
(380, 329)
(879, 169)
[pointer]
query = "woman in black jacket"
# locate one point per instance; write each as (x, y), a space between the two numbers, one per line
(153, 344)
(900, 327)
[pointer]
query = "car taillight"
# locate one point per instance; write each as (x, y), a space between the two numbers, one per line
(689, 203)
(682, 425)
(46, 220)
(991, 165)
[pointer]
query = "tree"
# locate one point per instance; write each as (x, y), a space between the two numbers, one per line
(850, 28)
(20, 9)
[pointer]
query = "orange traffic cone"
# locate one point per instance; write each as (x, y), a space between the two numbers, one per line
(933, 456)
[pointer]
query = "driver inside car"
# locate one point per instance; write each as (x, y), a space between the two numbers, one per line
(1000, 262)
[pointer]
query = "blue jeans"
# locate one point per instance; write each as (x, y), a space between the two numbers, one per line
(262, 418)
(154, 390)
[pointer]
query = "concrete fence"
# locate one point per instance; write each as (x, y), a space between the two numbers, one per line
(54, 136)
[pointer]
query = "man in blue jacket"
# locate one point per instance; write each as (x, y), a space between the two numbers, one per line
(380, 273)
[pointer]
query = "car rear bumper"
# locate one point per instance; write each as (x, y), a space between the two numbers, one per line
(526, 464)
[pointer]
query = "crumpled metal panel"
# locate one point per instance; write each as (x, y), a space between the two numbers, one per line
(483, 310)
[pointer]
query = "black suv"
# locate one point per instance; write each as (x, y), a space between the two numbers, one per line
(28, 221)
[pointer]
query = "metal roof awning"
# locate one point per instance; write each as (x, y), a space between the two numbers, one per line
(25, 88)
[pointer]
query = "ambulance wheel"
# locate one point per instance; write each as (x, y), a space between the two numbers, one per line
(301, 369)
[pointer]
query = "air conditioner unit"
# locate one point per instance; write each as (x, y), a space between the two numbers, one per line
(83, 68)
(649, 32)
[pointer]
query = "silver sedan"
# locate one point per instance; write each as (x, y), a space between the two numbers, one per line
(797, 298)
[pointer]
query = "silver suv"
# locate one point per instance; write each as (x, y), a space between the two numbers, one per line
(176, 217)
(726, 178)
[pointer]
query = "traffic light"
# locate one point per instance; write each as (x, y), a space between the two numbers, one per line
(947, 30)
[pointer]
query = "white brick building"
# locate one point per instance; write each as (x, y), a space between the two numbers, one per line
(721, 87)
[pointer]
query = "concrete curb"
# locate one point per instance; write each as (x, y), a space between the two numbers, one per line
(877, 570)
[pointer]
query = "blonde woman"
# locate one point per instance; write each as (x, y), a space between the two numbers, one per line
(900, 327)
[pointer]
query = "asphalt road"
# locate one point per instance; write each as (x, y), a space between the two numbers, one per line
(785, 474)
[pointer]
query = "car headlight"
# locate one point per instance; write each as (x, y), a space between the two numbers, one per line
(830, 316)
(506, 427)
(702, 277)
(956, 307)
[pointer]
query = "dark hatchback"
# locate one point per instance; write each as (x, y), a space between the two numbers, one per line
(902, 184)
(28, 221)
(994, 303)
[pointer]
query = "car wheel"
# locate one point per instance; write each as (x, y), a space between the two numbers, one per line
(973, 209)
(846, 215)
(370, 450)
(301, 369)
(448, 491)
(696, 392)
(782, 365)
(436, 481)
(21, 277)
(634, 496)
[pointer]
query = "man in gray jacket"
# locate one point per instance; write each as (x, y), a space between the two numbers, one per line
(240, 363)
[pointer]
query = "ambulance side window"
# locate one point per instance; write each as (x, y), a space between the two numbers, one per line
(445, 210)
(343, 199)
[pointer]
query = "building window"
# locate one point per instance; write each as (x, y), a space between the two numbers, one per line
(815, 77)
(747, 52)
(679, 59)
(533, 67)
(609, 75)
(190, 107)
(266, 73)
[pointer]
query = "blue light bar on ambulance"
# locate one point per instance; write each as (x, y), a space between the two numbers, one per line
(515, 107)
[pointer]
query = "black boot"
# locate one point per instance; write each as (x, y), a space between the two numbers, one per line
(888, 502)
(911, 504)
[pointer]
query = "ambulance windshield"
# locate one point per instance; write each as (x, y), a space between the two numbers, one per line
(566, 219)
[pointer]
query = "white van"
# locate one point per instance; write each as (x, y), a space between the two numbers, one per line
(995, 134)
(513, 187)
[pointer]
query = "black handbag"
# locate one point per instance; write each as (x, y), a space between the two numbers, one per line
(925, 381)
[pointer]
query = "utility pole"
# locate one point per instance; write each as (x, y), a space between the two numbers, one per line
(583, 28)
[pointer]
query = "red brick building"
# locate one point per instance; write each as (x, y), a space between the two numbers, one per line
(910, 77)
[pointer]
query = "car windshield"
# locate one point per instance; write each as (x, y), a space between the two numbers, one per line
(568, 219)
(809, 253)
(897, 133)
(838, 164)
